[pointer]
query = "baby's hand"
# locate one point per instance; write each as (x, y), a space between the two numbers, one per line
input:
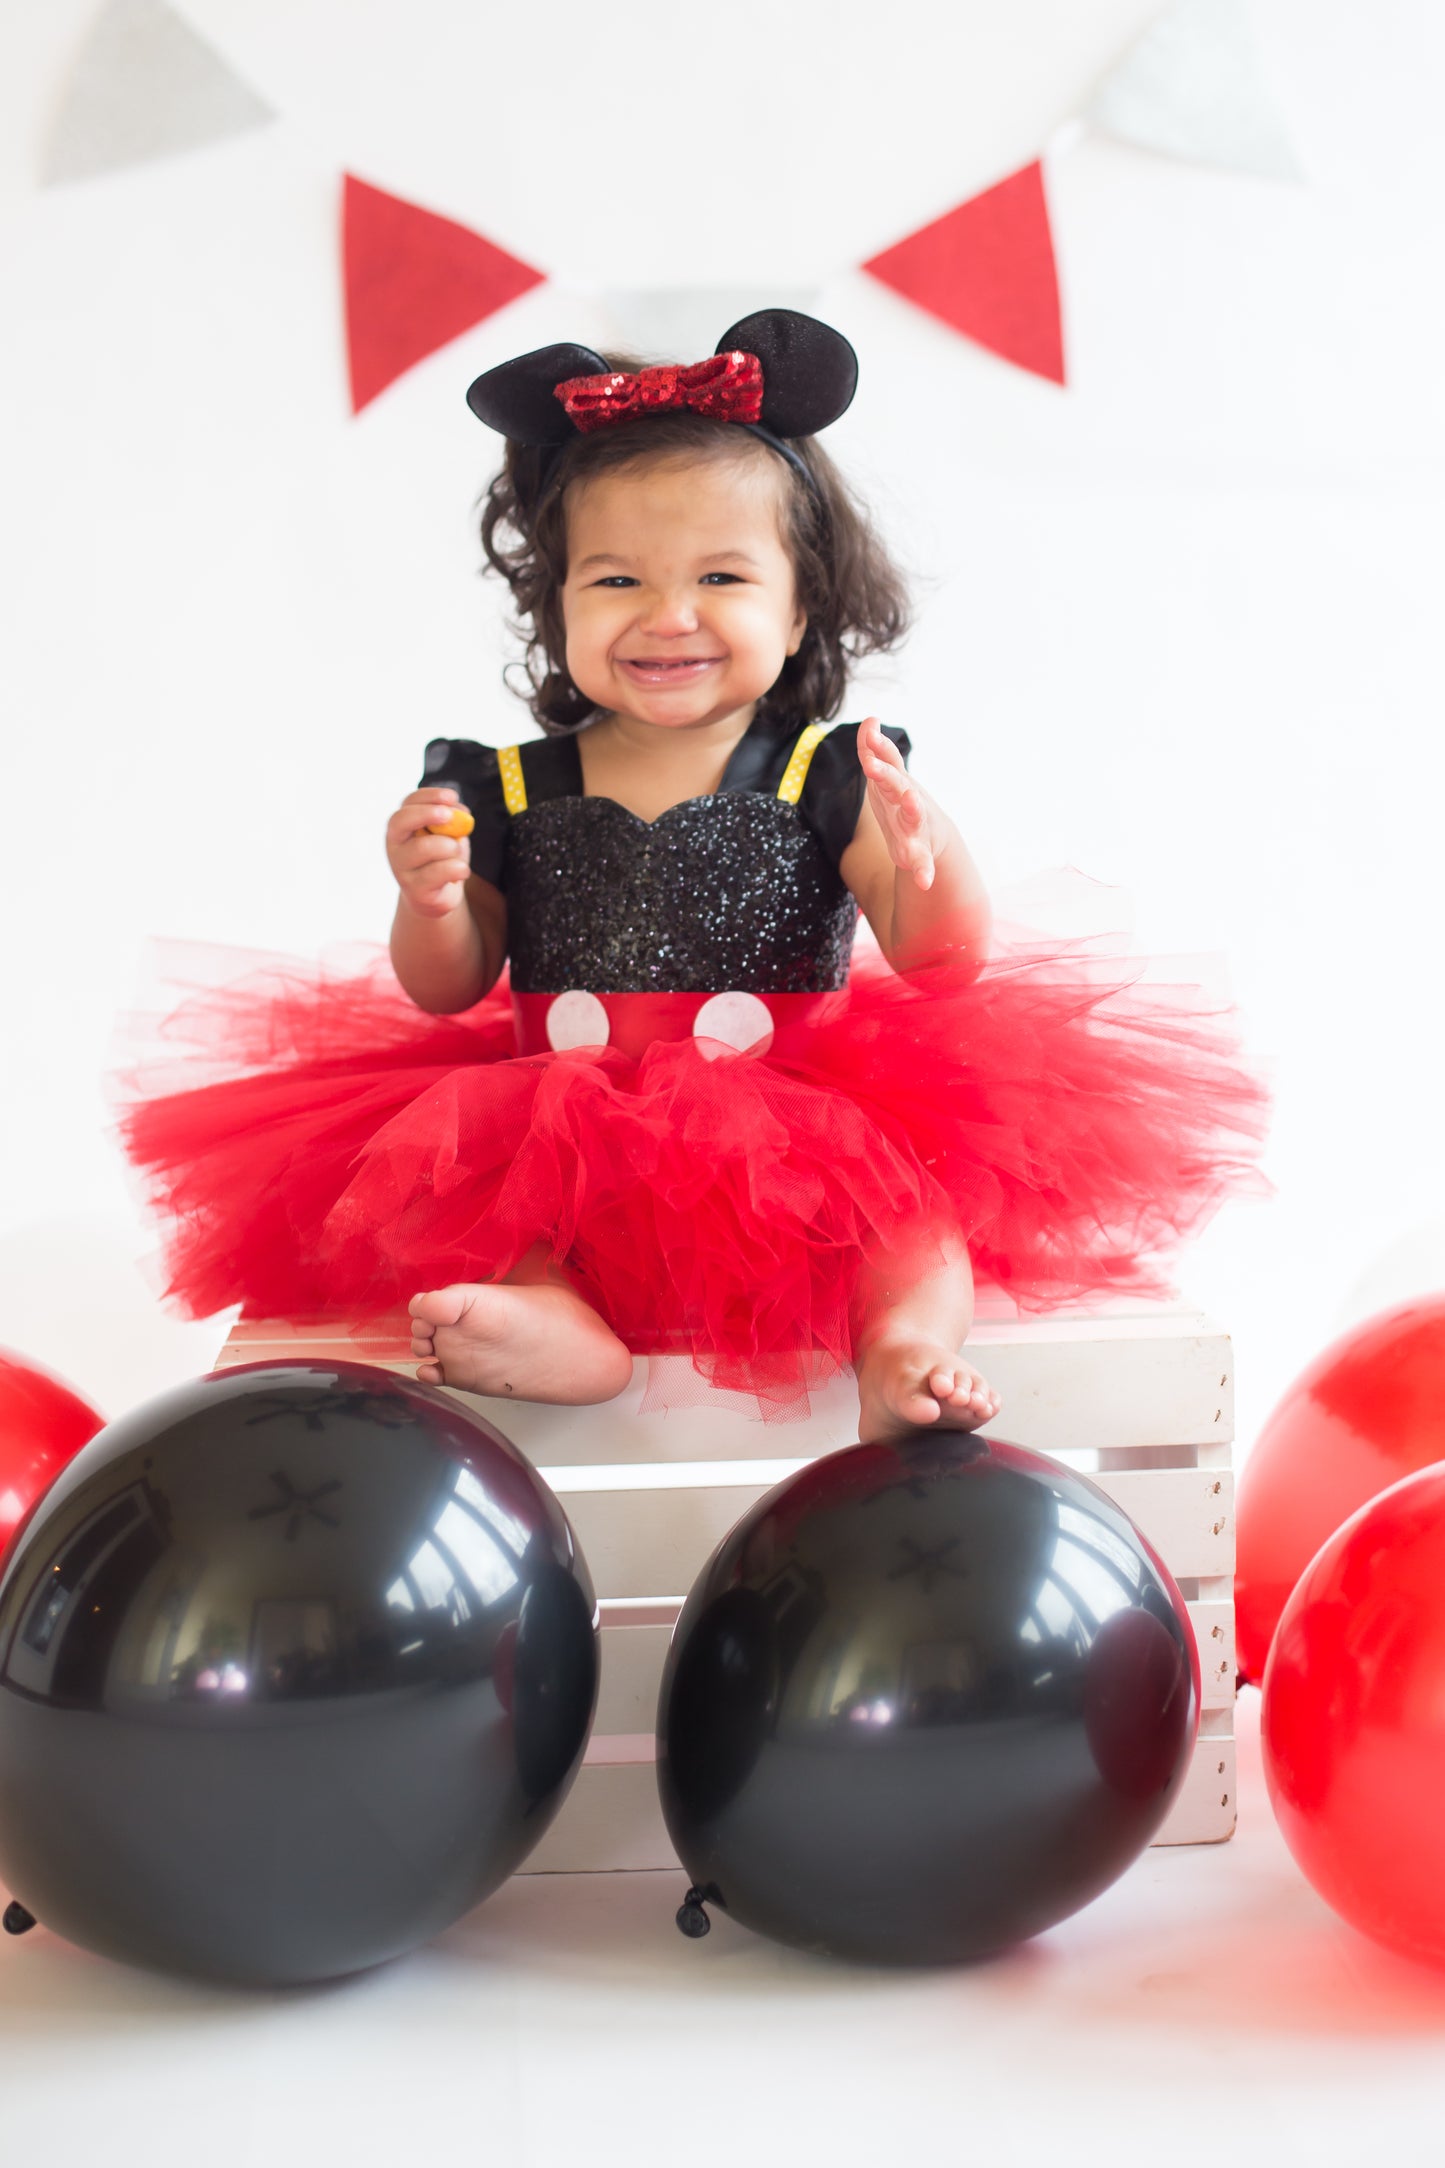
(431, 870)
(903, 812)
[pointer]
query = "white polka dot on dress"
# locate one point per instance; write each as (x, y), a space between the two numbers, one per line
(736, 1023)
(576, 1018)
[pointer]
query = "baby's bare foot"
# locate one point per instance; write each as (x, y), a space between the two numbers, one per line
(906, 1384)
(539, 1342)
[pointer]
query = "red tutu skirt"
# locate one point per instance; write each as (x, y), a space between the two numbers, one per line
(345, 1150)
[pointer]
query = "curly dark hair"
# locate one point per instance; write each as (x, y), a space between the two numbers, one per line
(852, 594)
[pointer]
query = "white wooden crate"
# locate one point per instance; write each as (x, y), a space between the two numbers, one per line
(1139, 1397)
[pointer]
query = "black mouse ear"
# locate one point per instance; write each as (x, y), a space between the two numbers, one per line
(810, 372)
(519, 397)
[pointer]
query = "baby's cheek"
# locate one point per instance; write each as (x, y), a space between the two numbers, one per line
(586, 650)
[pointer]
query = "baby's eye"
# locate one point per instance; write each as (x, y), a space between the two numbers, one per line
(719, 576)
(616, 579)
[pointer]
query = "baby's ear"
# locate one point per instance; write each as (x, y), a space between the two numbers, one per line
(799, 629)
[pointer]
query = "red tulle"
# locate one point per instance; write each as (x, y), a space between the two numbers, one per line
(348, 1150)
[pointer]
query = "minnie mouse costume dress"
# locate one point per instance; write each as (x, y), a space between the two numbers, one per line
(683, 1092)
(688, 1090)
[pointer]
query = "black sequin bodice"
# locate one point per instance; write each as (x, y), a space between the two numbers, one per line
(739, 892)
(733, 890)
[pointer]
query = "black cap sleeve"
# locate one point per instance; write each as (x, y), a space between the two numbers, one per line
(833, 792)
(472, 771)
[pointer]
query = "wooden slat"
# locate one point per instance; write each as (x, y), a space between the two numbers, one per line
(632, 1661)
(1214, 1631)
(612, 1821)
(1160, 1376)
(1205, 1811)
(1110, 1383)
(654, 1541)
(609, 1823)
(633, 1657)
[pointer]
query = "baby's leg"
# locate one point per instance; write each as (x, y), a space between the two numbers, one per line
(906, 1352)
(530, 1336)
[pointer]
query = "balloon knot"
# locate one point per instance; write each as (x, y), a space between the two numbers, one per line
(691, 1918)
(17, 1920)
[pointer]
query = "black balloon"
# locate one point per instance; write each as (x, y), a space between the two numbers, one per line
(926, 1699)
(296, 1665)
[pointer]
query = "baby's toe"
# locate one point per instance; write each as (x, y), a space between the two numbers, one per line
(441, 1306)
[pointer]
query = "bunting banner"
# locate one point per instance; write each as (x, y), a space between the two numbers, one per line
(987, 269)
(413, 281)
(1194, 87)
(143, 86)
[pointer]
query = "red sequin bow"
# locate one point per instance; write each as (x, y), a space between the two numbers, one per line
(727, 386)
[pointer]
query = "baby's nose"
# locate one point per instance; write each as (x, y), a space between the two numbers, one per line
(670, 611)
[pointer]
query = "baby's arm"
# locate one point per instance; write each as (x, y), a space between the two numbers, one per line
(910, 868)
(449, 935)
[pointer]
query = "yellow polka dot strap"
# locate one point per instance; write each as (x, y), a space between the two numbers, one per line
(795, 775)
(509, 766)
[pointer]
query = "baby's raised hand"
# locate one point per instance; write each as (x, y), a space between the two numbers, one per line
(903, 812)
(430, 870)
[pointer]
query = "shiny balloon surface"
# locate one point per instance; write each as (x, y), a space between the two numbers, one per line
(1368, 1410)
(43, 1424)
(927, 1699)
(296, 1664)
(1353, 1718)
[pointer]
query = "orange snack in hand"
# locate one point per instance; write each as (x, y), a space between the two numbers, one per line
(459, 822)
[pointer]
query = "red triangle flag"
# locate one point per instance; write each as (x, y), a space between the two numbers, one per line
(413, 281)
(987, 268)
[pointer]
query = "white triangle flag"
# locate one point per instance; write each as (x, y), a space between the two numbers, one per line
(1195, 87)
(686, 322)
(143, 86)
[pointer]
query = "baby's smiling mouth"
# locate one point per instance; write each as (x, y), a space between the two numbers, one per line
(667, 666)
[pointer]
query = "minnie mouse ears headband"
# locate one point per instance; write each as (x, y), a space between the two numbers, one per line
(777, 374)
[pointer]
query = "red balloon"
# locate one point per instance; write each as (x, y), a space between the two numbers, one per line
(1369, 1410)
(1353, 1721)
(43, 1424)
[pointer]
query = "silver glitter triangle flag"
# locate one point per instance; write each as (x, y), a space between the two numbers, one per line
(144, 86)
(1194, 87)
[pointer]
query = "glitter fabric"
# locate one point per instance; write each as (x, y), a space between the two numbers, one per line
(729, 387)
(728, 891)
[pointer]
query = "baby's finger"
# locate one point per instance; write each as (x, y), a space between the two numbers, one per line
(911, 854)
(891, 784)
(434, 868)
(434, 902)
(433, 850)
(882, 749)
(906, 810)
(419, 811)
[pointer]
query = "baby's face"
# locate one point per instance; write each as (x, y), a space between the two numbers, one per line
(679, 604)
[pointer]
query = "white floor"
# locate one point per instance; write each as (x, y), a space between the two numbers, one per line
(1208, 2008)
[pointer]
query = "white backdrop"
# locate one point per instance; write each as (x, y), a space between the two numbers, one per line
(1178, 623)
